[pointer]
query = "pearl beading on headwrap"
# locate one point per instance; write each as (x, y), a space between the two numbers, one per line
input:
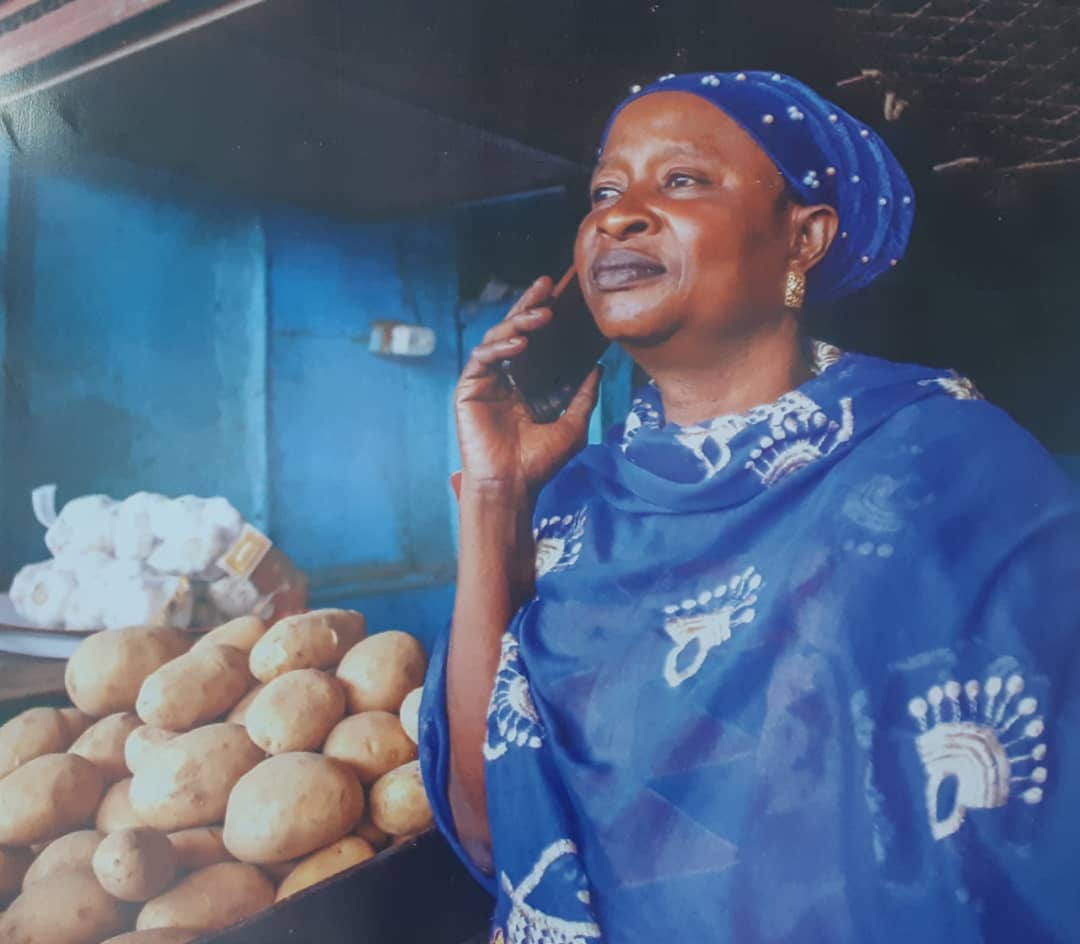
(826, 156)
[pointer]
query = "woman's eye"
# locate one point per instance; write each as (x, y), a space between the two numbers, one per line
(676, 181)
(600, 194)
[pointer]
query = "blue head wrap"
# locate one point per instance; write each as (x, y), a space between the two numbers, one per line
(826, 156)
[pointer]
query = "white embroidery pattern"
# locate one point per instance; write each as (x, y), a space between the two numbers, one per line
(701, 624)
(512, 716)
(987, 739)
(558, 542)
(956, 385)
(642, 414)
(528, 925)
(798, 440)
(824, 356)
(711, 442)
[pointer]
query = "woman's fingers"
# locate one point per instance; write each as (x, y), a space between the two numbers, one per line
(488, 355)
(536, 294)
(496, 350)
(520, 322)
(507, 338)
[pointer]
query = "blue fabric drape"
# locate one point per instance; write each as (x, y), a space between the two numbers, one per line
(804, 674)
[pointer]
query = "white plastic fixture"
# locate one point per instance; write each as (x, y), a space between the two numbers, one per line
(400, 339)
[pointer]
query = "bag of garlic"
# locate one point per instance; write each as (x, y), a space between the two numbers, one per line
(85, 524)
(41, 593)
(151, 560)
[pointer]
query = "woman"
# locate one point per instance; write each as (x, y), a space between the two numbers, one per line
(790, 657)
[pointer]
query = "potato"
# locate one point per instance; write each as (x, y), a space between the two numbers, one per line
(104, 673)
(209, 899)
(278, 870)
(198, 847)
(239, 714)
(399, 804)
(142, 742)
(372, 744)
(380, 671)
(290, 805)
(103, 743)
(242, 632)
(135, 864)
(189, 781)
(194, 688)
(295, 711)
(14, 864)
(73, 851)
(31, 734)
(68, 908)
(404, 840)
(157, 936)
(315, 640)
(410, 714)
(76, 721)
(336, 857)
(46, 797)
(371, 833)
(115, 812)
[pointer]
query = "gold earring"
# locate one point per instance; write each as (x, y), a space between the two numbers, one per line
(794, 290)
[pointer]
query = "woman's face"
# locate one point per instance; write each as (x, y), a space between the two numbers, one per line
(689, 238)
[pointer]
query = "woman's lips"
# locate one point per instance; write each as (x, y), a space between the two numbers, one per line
(624, 268)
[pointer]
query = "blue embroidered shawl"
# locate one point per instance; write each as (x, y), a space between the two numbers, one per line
(804, 674)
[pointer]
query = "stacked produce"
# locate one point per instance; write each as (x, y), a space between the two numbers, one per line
(192, 785)
(146, 559)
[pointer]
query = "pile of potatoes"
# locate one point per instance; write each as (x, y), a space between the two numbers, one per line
(199, 779)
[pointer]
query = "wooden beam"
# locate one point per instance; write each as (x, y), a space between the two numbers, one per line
(1037, 167)
(961, 164)
(14, 6)
(66, 26)
(224, 9)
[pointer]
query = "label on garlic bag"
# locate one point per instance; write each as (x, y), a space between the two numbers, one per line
(246, 553)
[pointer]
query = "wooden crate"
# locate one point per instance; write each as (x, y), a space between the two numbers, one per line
(418, 893)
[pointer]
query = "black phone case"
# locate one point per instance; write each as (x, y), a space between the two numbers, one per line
(559, 356)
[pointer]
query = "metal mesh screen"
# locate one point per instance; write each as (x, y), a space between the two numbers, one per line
(1002, 76)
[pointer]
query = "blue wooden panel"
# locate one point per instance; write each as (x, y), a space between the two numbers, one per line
(6, 525)
(424, 612)
(359, 442)
(148, 321)
(137, 345)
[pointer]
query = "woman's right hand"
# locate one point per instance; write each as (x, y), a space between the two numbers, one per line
(502, 448)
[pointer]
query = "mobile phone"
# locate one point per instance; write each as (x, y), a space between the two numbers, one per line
(559, 356)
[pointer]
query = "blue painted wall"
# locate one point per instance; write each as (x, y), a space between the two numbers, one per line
(135, 344)
(159, 336)
(5, 471)
(347, 424)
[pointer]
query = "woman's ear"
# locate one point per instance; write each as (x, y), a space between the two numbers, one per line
(813, 230)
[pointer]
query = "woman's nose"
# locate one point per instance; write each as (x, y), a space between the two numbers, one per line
(626, 217)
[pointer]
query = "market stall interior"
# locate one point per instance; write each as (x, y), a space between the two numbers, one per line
(246, 245)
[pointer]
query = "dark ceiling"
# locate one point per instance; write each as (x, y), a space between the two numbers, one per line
(367, 109)
(373, 109)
